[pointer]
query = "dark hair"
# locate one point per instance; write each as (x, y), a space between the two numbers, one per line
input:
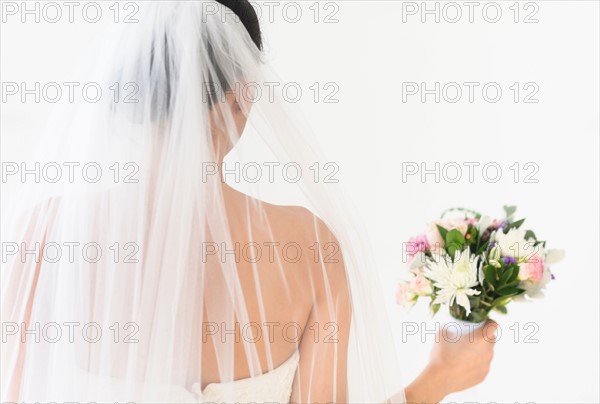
(247, 15)
(161, 95)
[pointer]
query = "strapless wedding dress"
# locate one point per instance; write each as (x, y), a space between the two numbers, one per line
(271, 387)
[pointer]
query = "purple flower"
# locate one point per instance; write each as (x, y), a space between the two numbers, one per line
(417, 244)
(497, 224)
(509, 260)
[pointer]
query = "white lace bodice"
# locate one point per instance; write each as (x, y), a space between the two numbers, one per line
(274, 386)
(271, 387)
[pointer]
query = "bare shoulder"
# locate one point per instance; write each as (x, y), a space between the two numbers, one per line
(323, 252)
(302, 223)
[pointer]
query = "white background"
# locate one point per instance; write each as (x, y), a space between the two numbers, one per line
(369, 52)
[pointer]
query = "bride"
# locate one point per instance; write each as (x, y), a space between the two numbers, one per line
(197, 288)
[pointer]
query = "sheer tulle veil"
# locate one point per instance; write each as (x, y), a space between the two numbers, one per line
(150, 214)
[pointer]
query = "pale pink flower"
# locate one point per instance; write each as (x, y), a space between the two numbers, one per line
(420, 285)
(472, 220)
(532, 269)
(405, 296)
(497, 223)
(436, 243)
(415, 245)
(458, 223)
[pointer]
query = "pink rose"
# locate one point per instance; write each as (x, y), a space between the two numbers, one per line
(405, 297)
(420, 285)
(457, 223)
(532, 270)
(434, 238)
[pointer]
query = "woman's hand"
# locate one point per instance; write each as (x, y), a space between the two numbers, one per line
(454, 366)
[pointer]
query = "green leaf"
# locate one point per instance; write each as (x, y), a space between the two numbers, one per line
(442, 231)
(474, 301)
(483, 247)
(452, 249)
(478, 316)
(511, 291)
(457, 312)
(530, 235)
(512, 284)
(455, 241)
(515, 274)
(510, 210)
(455, 236)
(490, 274)
(501, 309)
(506, 275)
(514, 225)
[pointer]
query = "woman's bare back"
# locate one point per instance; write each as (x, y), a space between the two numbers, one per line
(281, 253)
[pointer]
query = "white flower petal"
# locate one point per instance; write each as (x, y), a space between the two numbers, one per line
(483, 223)
(419, 261)
(463, 300)
(553, 256)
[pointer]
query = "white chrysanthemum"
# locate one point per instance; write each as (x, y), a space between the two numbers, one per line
(454, 279)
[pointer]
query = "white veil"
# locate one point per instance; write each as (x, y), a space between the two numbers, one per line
(114, 279)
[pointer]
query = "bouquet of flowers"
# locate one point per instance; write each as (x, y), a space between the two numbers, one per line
(475, 264)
